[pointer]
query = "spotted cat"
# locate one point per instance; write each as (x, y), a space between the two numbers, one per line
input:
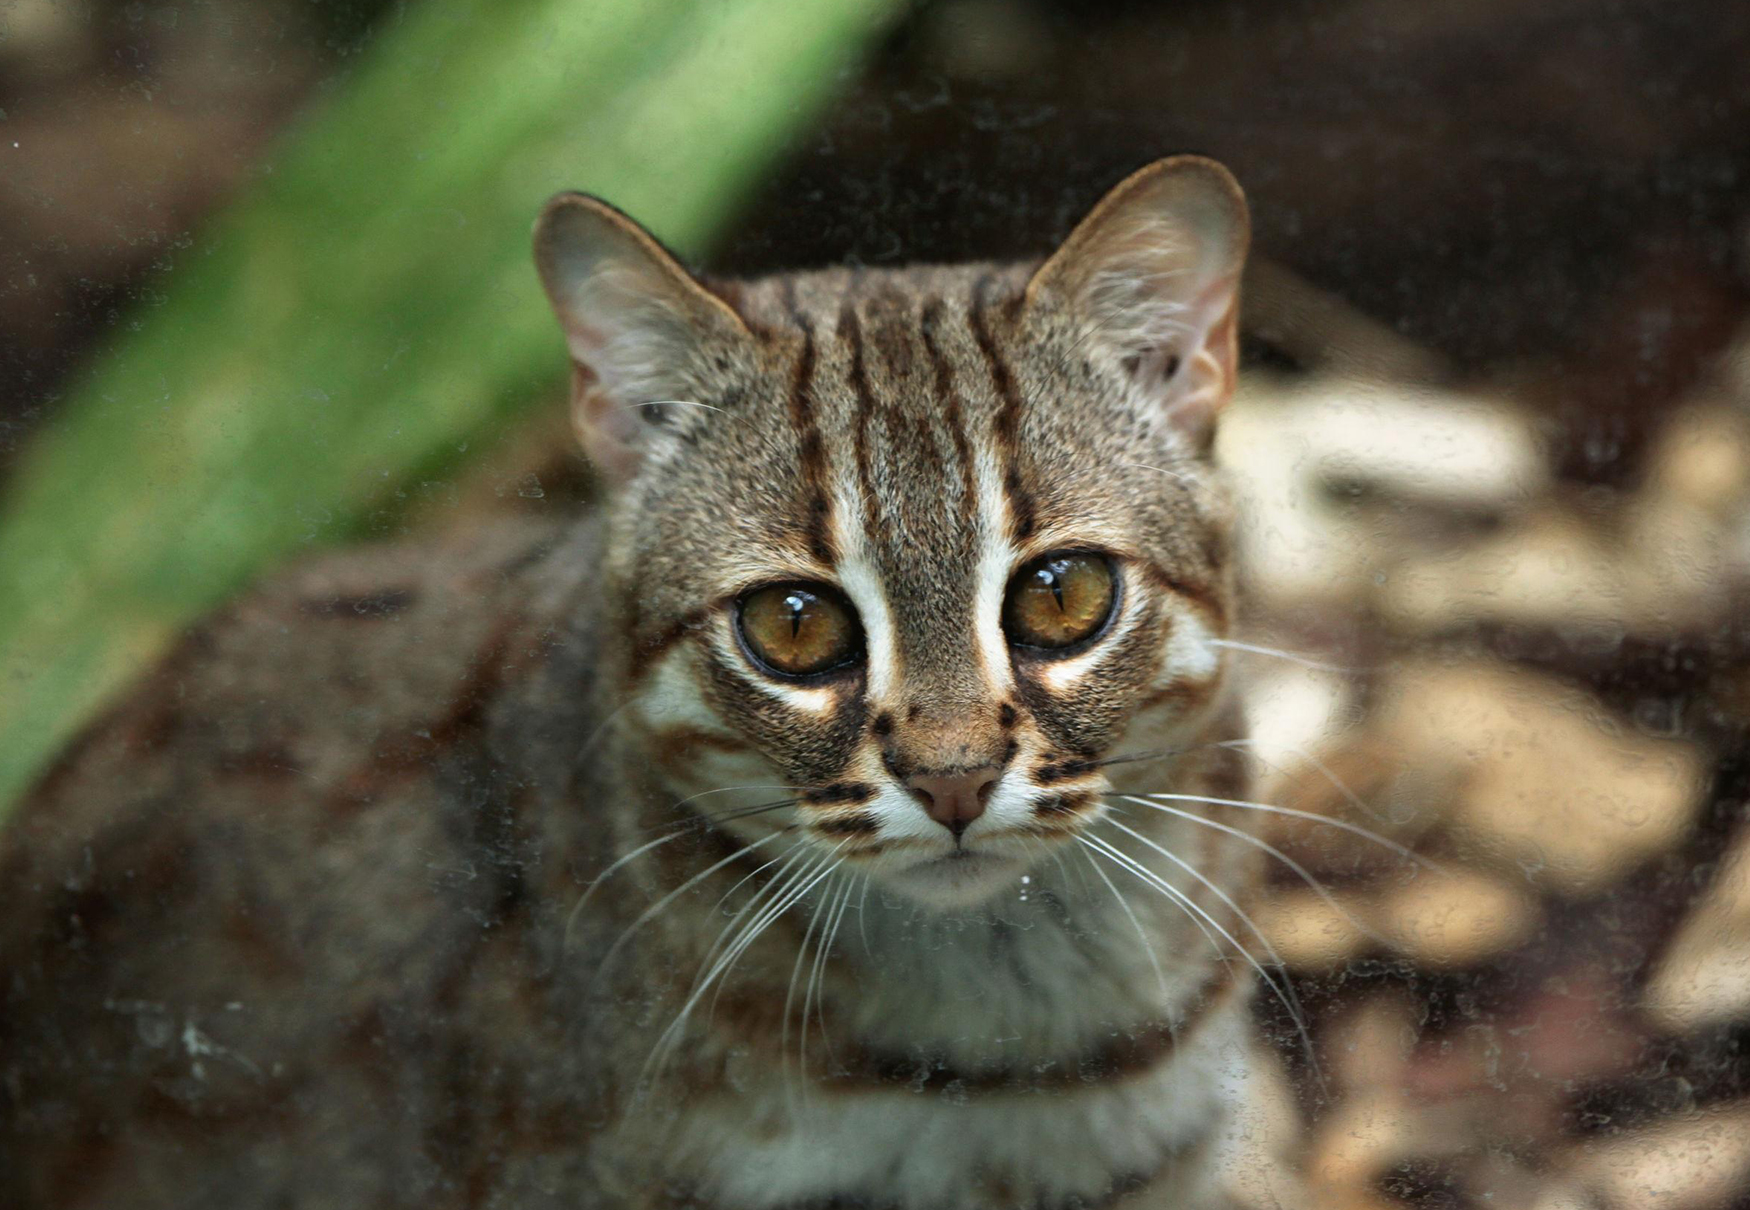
(837, 816)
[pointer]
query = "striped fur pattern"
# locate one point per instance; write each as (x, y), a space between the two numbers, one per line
(912, 438)
(598, 911)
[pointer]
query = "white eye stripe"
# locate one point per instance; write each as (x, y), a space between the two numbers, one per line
(865, 591)
(996, 564)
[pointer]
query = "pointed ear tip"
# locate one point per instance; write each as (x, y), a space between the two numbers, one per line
(1197, 188)
(568, 207)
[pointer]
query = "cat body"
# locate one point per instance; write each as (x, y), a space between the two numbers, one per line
(774, 838)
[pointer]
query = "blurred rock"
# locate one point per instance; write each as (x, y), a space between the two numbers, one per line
(1704, 977)
(1702, 458)
(1697, 1162)
(1338, 477)
(1453, 918)
(1291, 710)
(1555, 790)
(1309, 932)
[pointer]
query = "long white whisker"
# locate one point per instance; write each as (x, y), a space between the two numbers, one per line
(778, 886)
(682, 403)
(608, 722)
(1163, 470)
(571, 920)
(679, 829)
(728, 790)
(815, 920)
(1147, 945)
(1284, 992)
(1192, 912)
(862, 929)
(795, 889)
(1337, 783)
(651, 912)
(1291, 813)
(1226, 899)
(821, 954)
(797, 885)
(741, 912)
(1056, 855)
(1300, 870)
(1291, 657)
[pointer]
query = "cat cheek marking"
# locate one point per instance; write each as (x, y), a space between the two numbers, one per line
(1056, 676)
(672, 698)
(1191, 655)
(810, 698)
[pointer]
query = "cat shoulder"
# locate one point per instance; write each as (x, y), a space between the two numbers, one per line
(313, 691)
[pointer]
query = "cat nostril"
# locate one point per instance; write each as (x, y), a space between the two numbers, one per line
(954, 800)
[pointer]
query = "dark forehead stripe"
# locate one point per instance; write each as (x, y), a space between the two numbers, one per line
(1008, 417)
(949, 400)
(898, 434)
(812, 449)
(851, 332)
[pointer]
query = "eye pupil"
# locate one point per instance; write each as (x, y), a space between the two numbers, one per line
(1052, 577)
(793, 630)
(1059, 600)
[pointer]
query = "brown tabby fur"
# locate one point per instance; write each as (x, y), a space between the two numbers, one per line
(298, 924)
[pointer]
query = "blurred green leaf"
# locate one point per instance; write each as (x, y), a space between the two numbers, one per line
(369, 308)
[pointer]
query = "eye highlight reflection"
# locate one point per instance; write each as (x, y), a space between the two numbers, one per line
(799, 630)
(1060, 600)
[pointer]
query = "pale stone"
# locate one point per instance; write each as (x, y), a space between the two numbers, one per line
(1368, 1049)
(1697, 1162)
(1452, 918)
(1663, 565)
(1335, 478)
(1702, 457)
(1291, 710)
(1552, 787)
(1704, 976)
(1308, 933)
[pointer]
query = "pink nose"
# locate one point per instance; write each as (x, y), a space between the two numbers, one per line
(954, 800)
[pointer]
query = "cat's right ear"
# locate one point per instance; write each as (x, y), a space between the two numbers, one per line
(639, 327)
(1152, 275)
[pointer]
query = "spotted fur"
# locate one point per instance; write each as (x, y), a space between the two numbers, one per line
(504, 875)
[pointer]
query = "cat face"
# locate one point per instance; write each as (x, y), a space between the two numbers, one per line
(924, 555)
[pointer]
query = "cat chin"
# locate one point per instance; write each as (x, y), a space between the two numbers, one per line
(958, 880)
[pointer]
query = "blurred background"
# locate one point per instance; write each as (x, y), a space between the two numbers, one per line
(264, 286)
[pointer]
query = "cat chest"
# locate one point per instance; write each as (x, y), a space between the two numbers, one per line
(931, 1142)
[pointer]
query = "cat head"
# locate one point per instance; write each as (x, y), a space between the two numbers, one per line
(924, 555)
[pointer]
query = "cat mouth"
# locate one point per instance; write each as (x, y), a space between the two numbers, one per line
(960, 877)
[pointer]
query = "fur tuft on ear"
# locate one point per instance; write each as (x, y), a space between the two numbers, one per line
(639, 327)
(1154, 272)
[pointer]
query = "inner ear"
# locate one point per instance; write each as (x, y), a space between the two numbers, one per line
(1152, 273)
(644, 335)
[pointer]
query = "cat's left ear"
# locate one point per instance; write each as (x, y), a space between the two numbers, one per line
(642, 331)
(1154, 272)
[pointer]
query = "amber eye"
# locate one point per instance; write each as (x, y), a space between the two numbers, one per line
(1058, 600)
(799, 629)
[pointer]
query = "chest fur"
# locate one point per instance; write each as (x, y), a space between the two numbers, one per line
(940, 1143)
